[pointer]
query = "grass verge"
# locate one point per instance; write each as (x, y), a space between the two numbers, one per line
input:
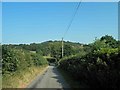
(71, 81)
(21, 79)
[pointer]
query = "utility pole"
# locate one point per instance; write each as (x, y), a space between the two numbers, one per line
(62, 48)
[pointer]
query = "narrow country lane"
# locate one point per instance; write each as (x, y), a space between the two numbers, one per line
(50, 79)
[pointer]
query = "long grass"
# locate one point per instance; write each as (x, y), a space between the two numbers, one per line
(21, 79)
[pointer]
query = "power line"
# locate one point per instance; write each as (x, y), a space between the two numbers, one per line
(68, 27)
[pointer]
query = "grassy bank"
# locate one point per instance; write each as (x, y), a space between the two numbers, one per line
(20, 67)
(21, 79)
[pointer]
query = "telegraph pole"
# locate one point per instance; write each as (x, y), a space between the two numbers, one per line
(62, 48)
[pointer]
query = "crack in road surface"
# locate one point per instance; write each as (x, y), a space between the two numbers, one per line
(50, 79)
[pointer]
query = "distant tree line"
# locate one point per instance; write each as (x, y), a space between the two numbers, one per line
(52, 48)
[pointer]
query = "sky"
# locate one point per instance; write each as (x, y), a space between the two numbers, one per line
(29, 22)
(0, 22)
(60, 0)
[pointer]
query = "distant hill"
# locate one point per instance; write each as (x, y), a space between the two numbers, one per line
(53, 48)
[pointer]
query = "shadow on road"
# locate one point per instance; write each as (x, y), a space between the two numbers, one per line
(59, 78)
(51, 80)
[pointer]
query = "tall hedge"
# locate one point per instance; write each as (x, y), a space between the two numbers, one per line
(19, 59)
(100, 69)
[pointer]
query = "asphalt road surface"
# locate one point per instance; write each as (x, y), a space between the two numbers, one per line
(50, 79)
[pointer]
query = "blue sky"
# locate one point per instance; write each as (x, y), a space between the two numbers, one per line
(38, 22)
(0, 22)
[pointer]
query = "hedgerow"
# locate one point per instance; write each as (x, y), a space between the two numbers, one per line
(19, 59)
(98, 69)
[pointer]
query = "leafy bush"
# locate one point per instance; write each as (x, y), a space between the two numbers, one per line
(99, 69)
(19, 59)
(10, 62)
(39, 60)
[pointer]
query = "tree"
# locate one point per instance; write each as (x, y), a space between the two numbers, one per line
(109, 40)
(98, 44)
(67, 50)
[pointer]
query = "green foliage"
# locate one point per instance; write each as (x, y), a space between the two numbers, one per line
(10, 62)
(96, 64)
(56, 50)
(39, 60)
(98, 44)
(99, 68)
(68, 50)
(110, 41)
(19, 59)
(52, 48)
